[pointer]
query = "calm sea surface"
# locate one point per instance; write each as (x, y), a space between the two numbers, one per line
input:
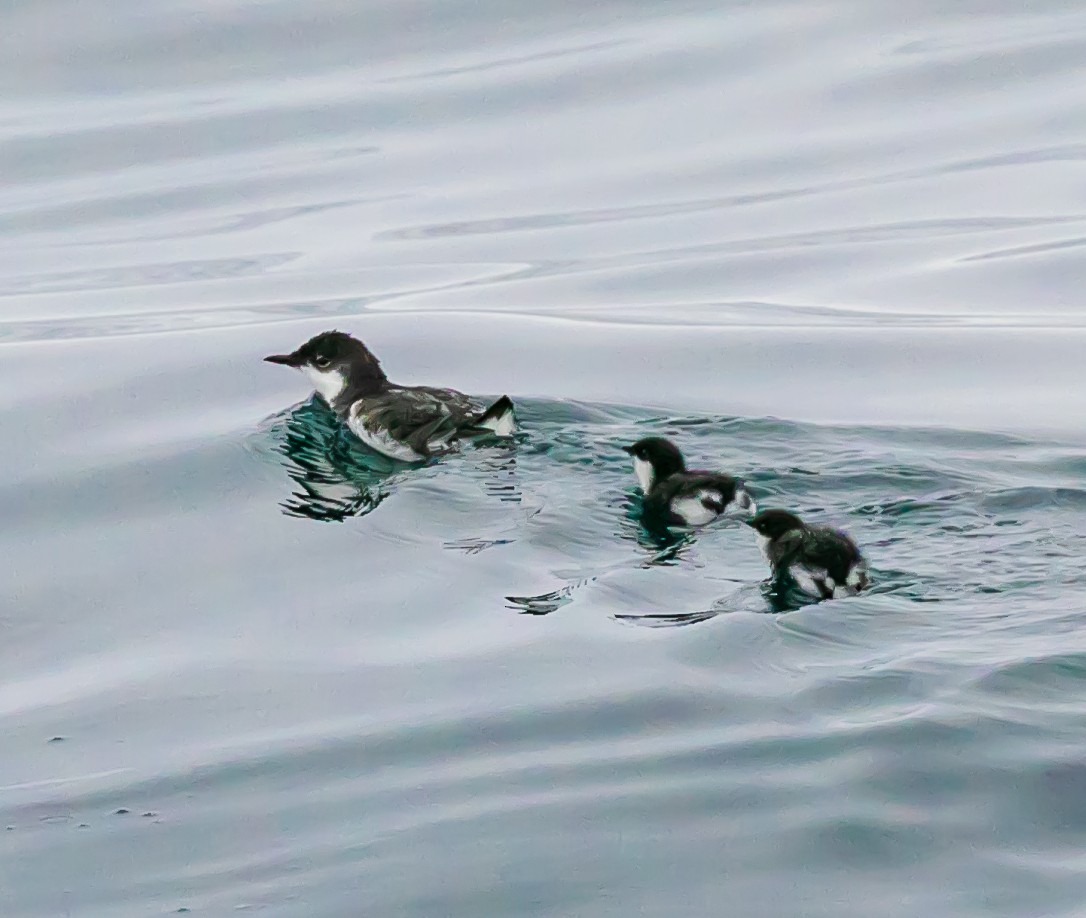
(838, 248)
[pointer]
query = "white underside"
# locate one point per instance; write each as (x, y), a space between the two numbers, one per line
(645, 474)
(857, 578)
(693, 511)
(763, 544)
(381, 442)
(504, 425)
(805, 578)
(744, 501)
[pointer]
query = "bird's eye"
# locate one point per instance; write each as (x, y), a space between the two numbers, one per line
(322, 363)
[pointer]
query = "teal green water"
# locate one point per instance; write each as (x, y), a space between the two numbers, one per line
(247, 667)
(945, 515)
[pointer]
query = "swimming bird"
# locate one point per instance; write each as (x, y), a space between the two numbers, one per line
(409, 423)
(679, 496)
(823, 562)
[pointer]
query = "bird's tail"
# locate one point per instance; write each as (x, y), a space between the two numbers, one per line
(744, 501)
(499, 418)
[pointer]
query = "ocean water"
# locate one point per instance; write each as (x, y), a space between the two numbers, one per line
(834, 248)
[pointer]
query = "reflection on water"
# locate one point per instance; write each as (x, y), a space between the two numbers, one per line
(336, 476)
(545, 603)
(496, 459)
(649, 532)
(656, 544)
(667, 619)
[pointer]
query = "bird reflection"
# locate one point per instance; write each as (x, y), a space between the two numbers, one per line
(781, 597)
(498, 463)
(336, 477)
(661, 543)
(744, 599)
(545, 603)
(659, 546)
(666, 619)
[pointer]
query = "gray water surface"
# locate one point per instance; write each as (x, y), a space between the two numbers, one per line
(834, 248)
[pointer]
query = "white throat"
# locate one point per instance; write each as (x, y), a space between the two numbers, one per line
(763, 544)
(645, 473)
(328, 383)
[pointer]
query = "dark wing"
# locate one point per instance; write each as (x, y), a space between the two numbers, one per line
(424, 419)
(787, 548)
(458, 403)
(713, 490)
(721, 488)
(832, 551)
(717, 491)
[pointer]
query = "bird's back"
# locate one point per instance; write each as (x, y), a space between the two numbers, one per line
(411, 419)
(831, 550)
(683, 484)
(691, 497)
